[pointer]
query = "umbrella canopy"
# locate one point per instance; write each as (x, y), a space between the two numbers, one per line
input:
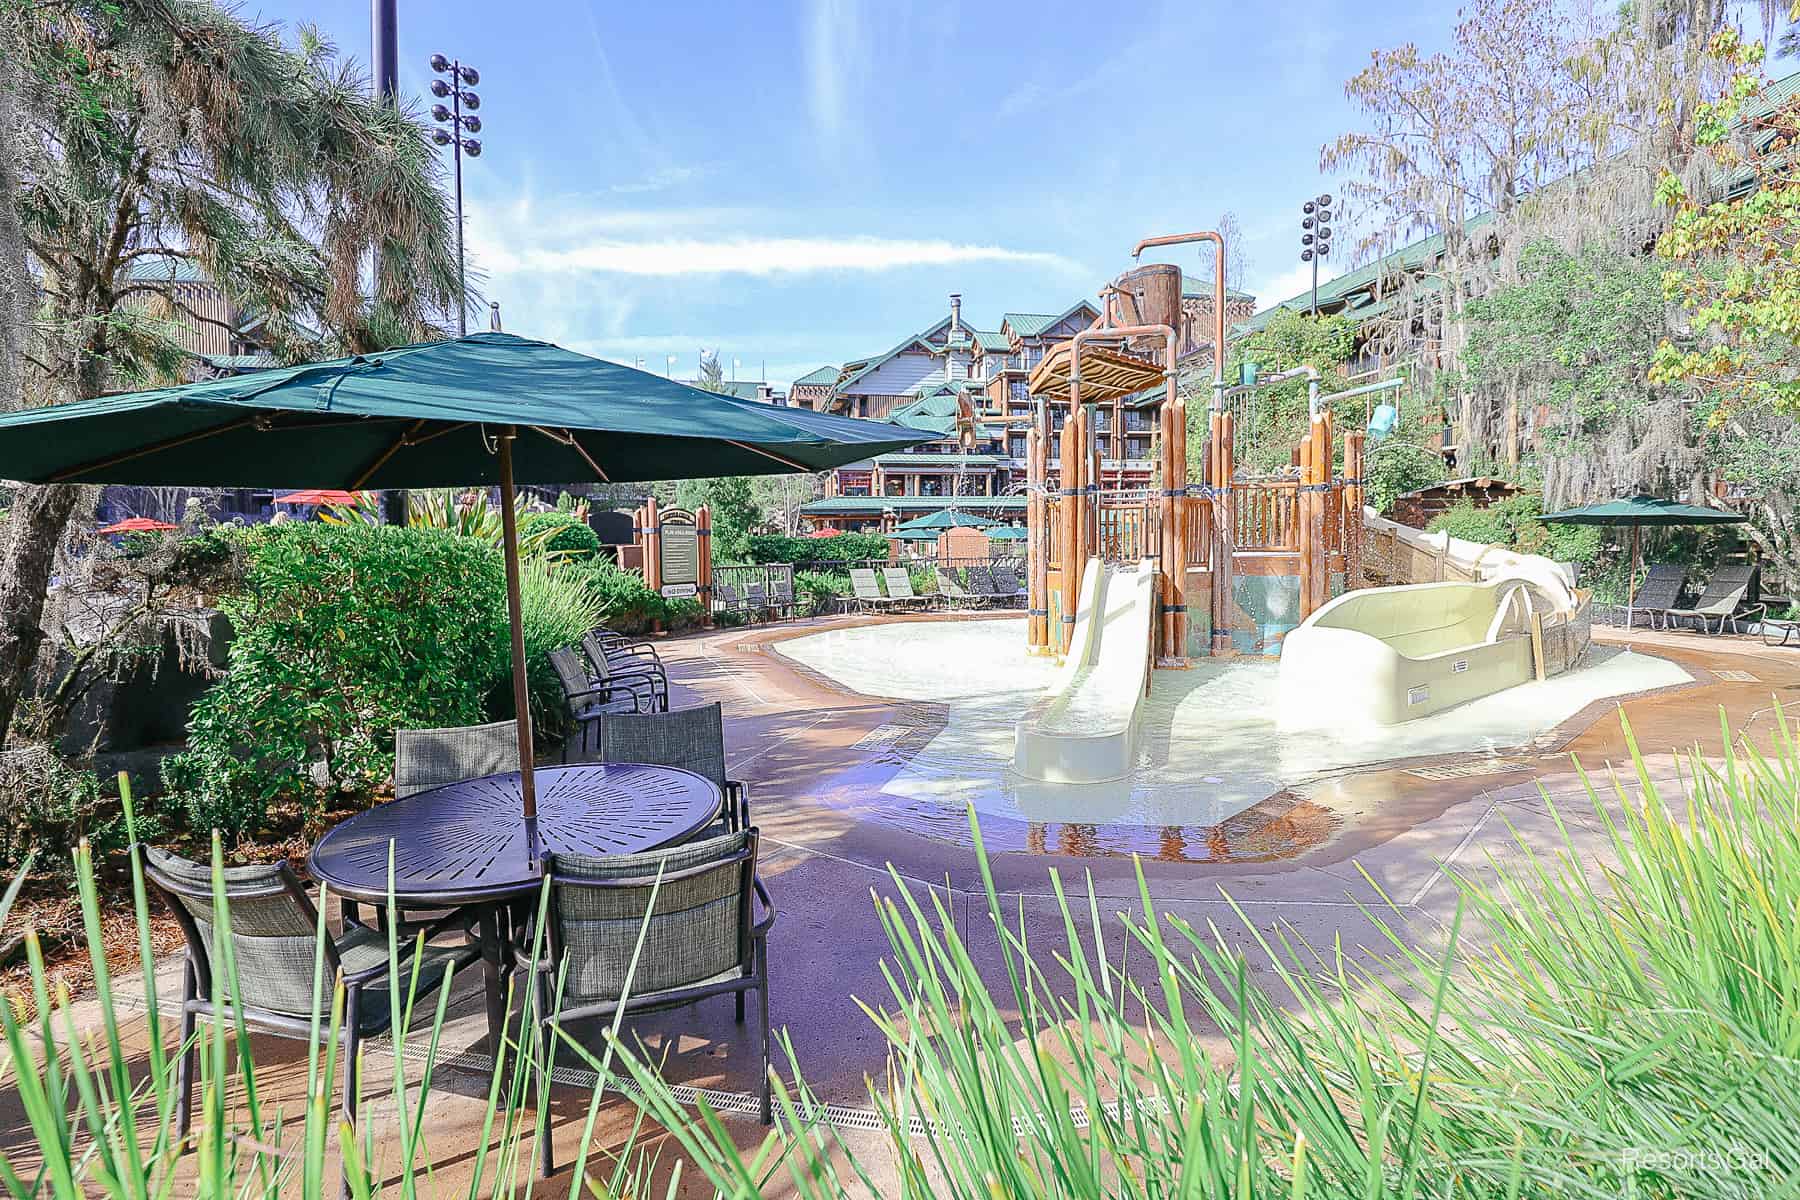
(1009, 533)
(944, 518)
(487, 408)
(137, 525)
(320, 498)
(427, 416)
(823, 533)
(1638, 511)
(1643, 510)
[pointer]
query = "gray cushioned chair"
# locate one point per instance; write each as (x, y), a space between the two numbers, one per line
(690, 738)
(703, 938)
(428, 758)
(273, 929)
(632, 665)
(587, 698)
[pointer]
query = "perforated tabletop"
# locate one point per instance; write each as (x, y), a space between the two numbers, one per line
(466, 842)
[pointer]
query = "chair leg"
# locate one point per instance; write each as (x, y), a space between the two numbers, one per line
(740, 1007)
(190, 1053)
(762, 1003)
(352, 1047)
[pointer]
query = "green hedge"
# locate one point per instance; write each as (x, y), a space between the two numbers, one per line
(779, 548)
(572, 538)
(627, 604)
(1513, 524)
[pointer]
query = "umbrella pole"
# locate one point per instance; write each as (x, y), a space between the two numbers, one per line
(509, 542)
(1637, 536)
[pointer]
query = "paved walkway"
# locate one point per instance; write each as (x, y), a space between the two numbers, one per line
(1309, 863)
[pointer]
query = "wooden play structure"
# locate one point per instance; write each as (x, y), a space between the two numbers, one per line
(1240, 559)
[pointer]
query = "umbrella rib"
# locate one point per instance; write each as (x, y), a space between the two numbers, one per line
(569, 439)
(102, 464)
(786, 462)
(386, 454)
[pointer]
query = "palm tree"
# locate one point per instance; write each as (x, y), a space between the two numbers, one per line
(171, 130)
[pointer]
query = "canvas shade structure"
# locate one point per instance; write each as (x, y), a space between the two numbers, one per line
(1638, 511)
(137, 525)
(320, 498)
(490, 408)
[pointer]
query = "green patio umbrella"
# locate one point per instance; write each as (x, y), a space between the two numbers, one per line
(944, 518)
(1638, 511)
(490, 408)
(1009, 533)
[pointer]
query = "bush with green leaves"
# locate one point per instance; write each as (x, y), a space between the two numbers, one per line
(820, 591)
(1513, 524)
(342, 634)
(556, 608)
(563, 535)
(844, 547)
(629, 605)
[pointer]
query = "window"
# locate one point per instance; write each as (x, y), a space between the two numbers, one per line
(931, 485)
(1015, 445)
(1018, 391)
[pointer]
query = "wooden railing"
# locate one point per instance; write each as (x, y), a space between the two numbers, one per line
(1128, 532)
(1266, 517)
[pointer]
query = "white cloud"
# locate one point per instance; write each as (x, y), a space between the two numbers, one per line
(660, 180)
(836, 54)
(1286, 285)
(745, 255)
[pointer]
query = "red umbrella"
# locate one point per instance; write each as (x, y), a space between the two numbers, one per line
(138, 525)
(320, 497)
(824, 533)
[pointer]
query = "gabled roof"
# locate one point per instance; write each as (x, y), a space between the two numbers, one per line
(992, 340)
(165, 268)
(1192, 286)
(823, 377)
(855, 371)
(1033, 324)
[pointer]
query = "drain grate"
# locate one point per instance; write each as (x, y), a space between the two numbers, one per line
(1486, 766)
(1737, 676)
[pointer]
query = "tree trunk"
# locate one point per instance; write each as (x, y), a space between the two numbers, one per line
(38, 518)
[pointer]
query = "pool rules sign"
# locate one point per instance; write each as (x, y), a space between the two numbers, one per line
(677, 554)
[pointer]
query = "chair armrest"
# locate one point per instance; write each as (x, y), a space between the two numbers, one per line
(737, 803)
(763, 925)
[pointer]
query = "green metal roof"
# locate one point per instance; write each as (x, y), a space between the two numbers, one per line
(992, 340)
(1033, 324)
(165, 268)
(937, 460)
(931, 414)
(743, 389)
(1194, 286)
(863, 506)
(823, 377)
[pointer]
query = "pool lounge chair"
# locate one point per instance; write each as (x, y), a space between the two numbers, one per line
(1723, 600)
(954, 593)
(1007, 585)
(983, 583)
(1660, 591)
(900, 588)
(867, 591)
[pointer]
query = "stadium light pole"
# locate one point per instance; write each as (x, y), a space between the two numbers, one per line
(456, 90)
(1315, 238)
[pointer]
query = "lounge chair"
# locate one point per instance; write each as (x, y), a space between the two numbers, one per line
(1777, 630)
(1007, 586)
(953, 591)
(1660, 591)
(781, 595)
(690, 738)
(702, 938)
(900, 588)
(274, 927)
(983, 584)
(1723, 599)
(867, 591)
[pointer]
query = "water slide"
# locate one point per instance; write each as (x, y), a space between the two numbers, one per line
(1083, 729)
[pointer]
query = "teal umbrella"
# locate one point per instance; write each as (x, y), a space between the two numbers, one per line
(1638, 511)
(942, 519)
(1009, 533)
(487, 408)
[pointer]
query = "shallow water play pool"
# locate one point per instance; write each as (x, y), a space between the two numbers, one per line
(1208, 746)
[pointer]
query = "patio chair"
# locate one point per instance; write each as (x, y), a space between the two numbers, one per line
(1006, 585)
(725, 597)
(619, 646)
(867, 591)
(781, 595)
(620, 662)
(1660, 591)
(983, 584)
(1724, 599)
(953, 591)
(1777, 630)
(900, 588)
(703, 939)
(274, 928)
(690, 738)
(428, 758)
(588, 699)
(755, 598)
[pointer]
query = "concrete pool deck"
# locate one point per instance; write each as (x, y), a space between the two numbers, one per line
(1307, 863)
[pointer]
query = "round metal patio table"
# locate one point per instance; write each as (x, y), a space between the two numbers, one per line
(468, 845)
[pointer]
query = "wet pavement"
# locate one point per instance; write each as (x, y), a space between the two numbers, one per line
(1350, 857)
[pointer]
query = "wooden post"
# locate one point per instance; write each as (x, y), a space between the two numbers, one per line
(1175, 533)
(703, 573)
(1353, 509)
(1068, 512)
(1224, 534)
(1037, 601)
(1537, 644)
(1303, 502)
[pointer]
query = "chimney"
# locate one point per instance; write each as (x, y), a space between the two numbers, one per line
(955, 314)
(494, 316)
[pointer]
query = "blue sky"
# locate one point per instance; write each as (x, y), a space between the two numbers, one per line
(799, 182)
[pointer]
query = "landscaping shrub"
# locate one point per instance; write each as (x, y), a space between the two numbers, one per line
(563, 535)
(628, 604)
(343, 633)
(1513, 524)
(819, 591)
(779, 548)
(556, 607)
(53, 804)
